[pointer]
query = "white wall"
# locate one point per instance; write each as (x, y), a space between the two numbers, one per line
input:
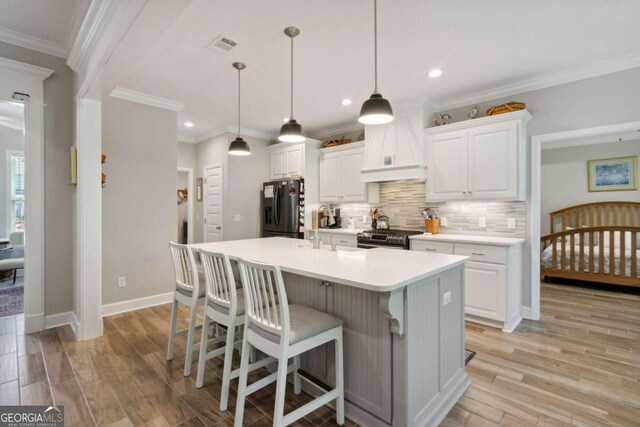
(139, 213)
(564, 177)
(10, 140)
(243, 178)
(186, 155)
(58, 137)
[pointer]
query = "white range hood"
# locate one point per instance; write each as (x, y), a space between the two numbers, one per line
(395, 151)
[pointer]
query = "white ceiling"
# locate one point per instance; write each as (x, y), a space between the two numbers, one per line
(479, 46)
(49, 26)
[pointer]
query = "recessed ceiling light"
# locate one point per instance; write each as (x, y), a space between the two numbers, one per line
(188, 124)
(346, 101)
(435, 73)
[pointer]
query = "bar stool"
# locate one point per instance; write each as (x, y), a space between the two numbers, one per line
(187, 292)
(225, 306)
(284, 331)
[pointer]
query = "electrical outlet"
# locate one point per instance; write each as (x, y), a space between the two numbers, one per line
(443, 221)
(237, 218)
(511, 223)
(446, 298)
(482, 222)
(122, 282)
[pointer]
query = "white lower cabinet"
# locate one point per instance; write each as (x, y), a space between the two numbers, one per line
(493, 280)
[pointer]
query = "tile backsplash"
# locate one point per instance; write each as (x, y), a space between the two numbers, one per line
(403, 201)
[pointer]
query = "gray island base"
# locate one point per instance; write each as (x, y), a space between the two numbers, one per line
(403, 332)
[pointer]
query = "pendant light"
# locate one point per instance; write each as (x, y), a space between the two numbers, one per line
(239, 146)
(291, 131)
(376, 110)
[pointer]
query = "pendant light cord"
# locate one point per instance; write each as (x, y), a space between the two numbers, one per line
(375, 44)
(238, 103)
(291, 106)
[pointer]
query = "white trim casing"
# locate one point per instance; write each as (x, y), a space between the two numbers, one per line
(26, 78)
(10, 153)
(88, 224)
(136, 304)
(147, 99)
(537, 143)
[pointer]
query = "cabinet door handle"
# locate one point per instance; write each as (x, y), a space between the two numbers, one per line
(477, 253)
(430, 249)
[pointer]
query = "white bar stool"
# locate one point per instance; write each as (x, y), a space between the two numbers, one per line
(189, 293)
(226, 307)
(284, 331)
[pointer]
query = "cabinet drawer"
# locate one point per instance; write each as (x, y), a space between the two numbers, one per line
(429, 246)
(344, 240)
(482, 253)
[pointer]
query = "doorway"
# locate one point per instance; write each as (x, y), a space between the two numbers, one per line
(213, 203)
(589, 136)
(185, 196)
(12, 208)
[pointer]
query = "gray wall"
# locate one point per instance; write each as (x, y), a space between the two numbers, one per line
(598, 101)
(186, 155)
(139, 213)
(564, 177)
(10, 140)
(243, 178)
(58, 137)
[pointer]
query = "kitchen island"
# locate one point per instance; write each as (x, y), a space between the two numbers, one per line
(403, 314)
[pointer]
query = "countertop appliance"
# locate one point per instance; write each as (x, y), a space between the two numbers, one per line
(283, 208)
(391, 239)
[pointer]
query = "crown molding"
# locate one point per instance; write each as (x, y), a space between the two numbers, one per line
(77, 20)
(34, 43)
(550, 80)
(23, 68)
(90, 31)
(186, 138)
(145, 98)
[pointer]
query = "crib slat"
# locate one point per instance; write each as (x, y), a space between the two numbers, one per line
(622, 260)
(601, 250)
(554, 260)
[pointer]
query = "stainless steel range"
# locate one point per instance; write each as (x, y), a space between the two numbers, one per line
(391, 239)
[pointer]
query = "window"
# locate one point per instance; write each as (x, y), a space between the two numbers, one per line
(16, 190)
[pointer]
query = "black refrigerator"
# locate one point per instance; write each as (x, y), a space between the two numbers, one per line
(283, 208)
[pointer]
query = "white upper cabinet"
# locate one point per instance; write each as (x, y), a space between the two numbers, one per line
(286, 160)
(448, 175)
(340, 176)
(395, 150)
(481, 159)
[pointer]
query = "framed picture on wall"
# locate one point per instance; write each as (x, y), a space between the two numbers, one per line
(618, 174)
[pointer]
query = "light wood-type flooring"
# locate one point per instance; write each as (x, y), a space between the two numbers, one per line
(579, 365)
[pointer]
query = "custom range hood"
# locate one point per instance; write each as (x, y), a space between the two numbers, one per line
(395, 151)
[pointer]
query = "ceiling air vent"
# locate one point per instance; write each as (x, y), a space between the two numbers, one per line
(222, 43)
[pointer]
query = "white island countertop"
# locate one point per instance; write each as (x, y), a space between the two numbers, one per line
(467, 238)
(351, 231)
(380, 270)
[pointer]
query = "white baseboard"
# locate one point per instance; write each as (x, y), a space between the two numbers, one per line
(60, 319)
(526, 312)
(135, 304)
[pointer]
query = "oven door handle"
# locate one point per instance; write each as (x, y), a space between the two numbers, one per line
(370, 246)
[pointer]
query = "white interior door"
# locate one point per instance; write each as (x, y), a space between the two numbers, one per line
(213, 199)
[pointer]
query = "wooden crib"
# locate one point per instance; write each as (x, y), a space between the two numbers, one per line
(596, 242)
